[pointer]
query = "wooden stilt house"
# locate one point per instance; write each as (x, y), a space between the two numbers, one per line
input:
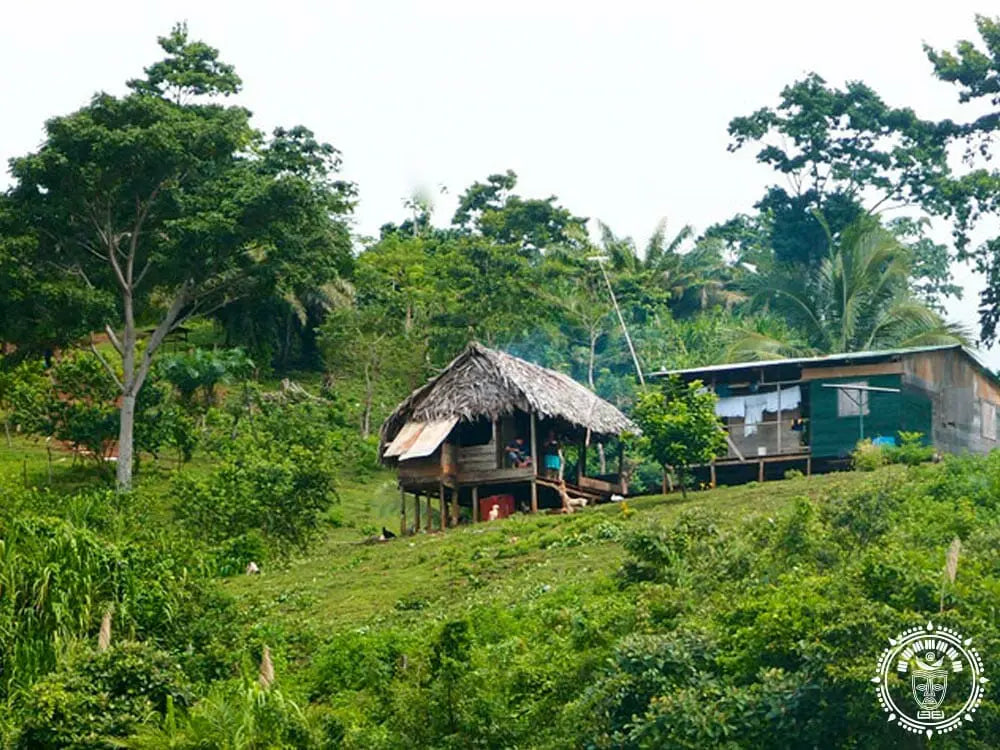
(809, 413)
(448, 440)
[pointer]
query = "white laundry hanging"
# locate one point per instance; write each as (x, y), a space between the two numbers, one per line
(752, 407)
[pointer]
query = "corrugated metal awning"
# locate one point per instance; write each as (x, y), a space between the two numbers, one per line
(429, 438)
(404, 439)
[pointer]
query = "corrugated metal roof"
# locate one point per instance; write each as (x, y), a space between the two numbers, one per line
(430, 437)
(845, 357)
(404, 439)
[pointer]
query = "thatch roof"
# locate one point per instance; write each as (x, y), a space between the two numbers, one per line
(483, 382)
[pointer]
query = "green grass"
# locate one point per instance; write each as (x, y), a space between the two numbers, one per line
(343, 583)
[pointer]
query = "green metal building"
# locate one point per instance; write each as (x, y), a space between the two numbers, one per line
(811, 412)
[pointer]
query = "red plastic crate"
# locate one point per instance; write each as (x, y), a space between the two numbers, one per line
(506, 503)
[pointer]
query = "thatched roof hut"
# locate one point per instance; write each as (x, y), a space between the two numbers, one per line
(486, 383)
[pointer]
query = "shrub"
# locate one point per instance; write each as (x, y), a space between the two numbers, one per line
(863, 513)
(97, 699)
(233, 555)
(656, 549)
(867, 456)
(280, 492)
(233, 715)
(911, 449)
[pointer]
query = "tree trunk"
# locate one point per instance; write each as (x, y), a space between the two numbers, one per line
(366, 416)
(129, 386)
(603, 458)
(134, 374)
(125, 431)
(594, 334)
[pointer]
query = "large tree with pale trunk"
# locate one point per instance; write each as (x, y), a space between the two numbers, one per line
(177, 206)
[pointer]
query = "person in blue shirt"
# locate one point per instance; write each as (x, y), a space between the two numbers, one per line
(552, 456)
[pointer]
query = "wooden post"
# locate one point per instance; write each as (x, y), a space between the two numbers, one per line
(430, 524)
(711, 469)
(581, 464)
(534, 464)
(779, 418)
(497, 442)
(402, 511)
(809, 466)
(454, 506)
(621, 467)
(760, 470)
(416, 512)
(444, 520)
(475, 503)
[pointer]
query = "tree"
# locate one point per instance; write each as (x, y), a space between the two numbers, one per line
(930, 262)
(493, 210)
(679, 426)
(975, 70)
(843, 153)
(364, 341)
(177, 206)
(665, 272)
(204, 370)
(39, 313)
(859, 298)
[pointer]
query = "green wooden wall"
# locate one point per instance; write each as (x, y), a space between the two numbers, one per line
(832, 436)
(917, 413)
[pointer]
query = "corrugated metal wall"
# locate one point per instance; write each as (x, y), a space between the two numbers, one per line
(959, 393)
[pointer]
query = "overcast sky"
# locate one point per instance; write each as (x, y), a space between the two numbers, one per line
(619, 108)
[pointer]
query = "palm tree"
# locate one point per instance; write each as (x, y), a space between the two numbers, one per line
(858, 299)
(687, 280)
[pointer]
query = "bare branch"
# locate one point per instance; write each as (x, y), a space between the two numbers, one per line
(165, 326)
(142, 273)
(107, 365)
(117, 268)
(113, 338)
(142, 211)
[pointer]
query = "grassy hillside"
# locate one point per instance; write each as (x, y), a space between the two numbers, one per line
(748, 616)
(344, 583)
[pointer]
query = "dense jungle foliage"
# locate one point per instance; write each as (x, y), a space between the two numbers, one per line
(196, 355)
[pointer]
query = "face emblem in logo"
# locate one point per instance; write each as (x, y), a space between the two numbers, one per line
(929, 682)
(927, 658)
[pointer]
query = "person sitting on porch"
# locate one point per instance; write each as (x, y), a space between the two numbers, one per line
(516, 456)
(552, 456)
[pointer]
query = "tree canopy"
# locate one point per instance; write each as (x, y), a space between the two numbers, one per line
(174, 206)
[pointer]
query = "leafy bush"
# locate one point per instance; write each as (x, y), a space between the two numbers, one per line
(233, 715)
(283, 497)
(867, 456)
(76, 402)
(911, 450)
(232, 556)
(97, 699)
(864, 514)
(90, 553)
(202, 371)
